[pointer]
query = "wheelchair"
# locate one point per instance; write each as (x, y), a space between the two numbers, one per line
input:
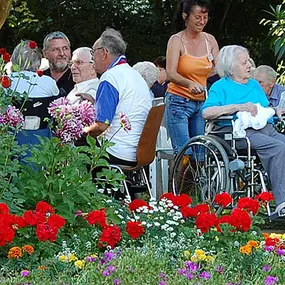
(217, 162)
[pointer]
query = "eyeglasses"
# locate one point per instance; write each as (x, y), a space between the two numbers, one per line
(199, 18)
(93, 50)
(78, 63)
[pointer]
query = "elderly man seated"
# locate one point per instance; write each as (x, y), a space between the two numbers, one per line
(266, 76)
(237, 91)
(121, 90)
(84, 75)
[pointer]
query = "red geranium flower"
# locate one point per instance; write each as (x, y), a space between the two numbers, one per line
(44, 207)
(5, 81)
(202, 208)
(56, 221)
(32, 44)
(6, 234)
(97, 217)
(248, 204)
(6, 57)
(183, 200)
(19, 222)
(188, 212)
(33, 218)
(240, 219)
(4, 209)
(169, 196)
(110, 236)
(135, 229)
(40, 73)
(205, 221)
(46, 232)
(2, 51)
(138, 203)
(223, 199)
(265, 197)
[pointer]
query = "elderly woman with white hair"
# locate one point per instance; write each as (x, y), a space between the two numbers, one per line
(237, 91)
(40, 90)
(148, 71)
(84, 75)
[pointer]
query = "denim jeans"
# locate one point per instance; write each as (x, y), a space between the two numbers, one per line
(183, 119)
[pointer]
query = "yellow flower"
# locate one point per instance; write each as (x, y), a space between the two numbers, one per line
(245, 249)
(28, 248)
(15, 252)
(216, 238)
(273, 235)
(198, 252)
(79, 263)
(72, 257)
(194, 258)
(187, 253)
(209, 258)
(253, 243)
(63, 258)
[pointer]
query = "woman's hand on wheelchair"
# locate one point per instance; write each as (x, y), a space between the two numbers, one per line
(279, 112)
(248, 107)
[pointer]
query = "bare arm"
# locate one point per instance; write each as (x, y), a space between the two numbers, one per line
(96, 129)
(214, 112)
(174, 50)
(215, 51)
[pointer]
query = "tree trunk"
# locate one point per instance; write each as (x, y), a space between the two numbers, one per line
(5, 6)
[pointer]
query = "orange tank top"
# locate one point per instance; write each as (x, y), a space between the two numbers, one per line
(194, 68)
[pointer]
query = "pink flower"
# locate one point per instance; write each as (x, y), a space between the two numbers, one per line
(86, 112)
(124, 122)
(25, 273)
(13, 116)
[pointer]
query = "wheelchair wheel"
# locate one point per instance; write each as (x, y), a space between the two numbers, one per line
(201, 169)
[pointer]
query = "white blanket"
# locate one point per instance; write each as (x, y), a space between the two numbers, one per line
(246, 120)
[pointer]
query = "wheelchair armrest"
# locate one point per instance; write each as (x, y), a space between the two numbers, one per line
(224, 118)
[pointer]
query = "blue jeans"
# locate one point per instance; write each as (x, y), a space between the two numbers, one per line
(183, 119)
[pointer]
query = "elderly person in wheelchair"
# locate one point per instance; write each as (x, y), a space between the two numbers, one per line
(237, 91)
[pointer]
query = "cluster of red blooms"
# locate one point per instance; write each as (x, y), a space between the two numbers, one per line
(47, 223)
(111, 234)
(4, 80)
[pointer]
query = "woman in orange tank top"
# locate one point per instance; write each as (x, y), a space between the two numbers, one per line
(190, 60)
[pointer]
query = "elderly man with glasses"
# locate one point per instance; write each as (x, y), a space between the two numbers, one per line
(84, 75)
(121, 90)
(56, 48)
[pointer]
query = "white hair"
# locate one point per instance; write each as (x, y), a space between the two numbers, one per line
(148, 71)
(270, 73)
(227, 58)
(84, 51)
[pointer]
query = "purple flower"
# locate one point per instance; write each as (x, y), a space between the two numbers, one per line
(109, 255)
(191, 266)
(106, 273)
(90, 259)
(266, 268)
(270, 280)
(25, 273)
(161, 274)
(220, 269)
(78, 213)
(111, 268)
(280, 251)
(189, 276)
(181, 271)
(162, 283)
(269, 248)
(116, 281)
(13, 117)
(205, 275)
(86, 112)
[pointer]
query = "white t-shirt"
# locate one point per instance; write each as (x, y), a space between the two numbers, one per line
(89, 87)
(35, 86)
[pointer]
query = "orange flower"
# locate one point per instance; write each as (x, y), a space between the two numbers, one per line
(245, 249)
(253, 243)
(15, 252)
(28, 248)
(42, 267)
(265, 235)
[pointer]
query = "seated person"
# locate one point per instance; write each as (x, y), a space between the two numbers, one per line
(237, 91)
(84, 75)
(121, 90)
(148, 71)
(40, 90)
(266, 76)
(160, 86)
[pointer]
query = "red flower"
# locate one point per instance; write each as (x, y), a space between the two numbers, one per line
(44, 207)
(248, 204)
(2, 51)
(46, 232)
(19, 222)
(32, 44)
(138, 203)
(202, 208)
(188, 212)
(110, 236)
(4, 208)
(6, 234)
(240, 219)
(97, 217)
(272, 241)
(223, 199)
(40, 73)
(6, 57)
(135, 229)
(5, 81)
(33, 218)
(205, 221)
(56, 221)
(183, 200)
(265, 197)
(169, 196)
